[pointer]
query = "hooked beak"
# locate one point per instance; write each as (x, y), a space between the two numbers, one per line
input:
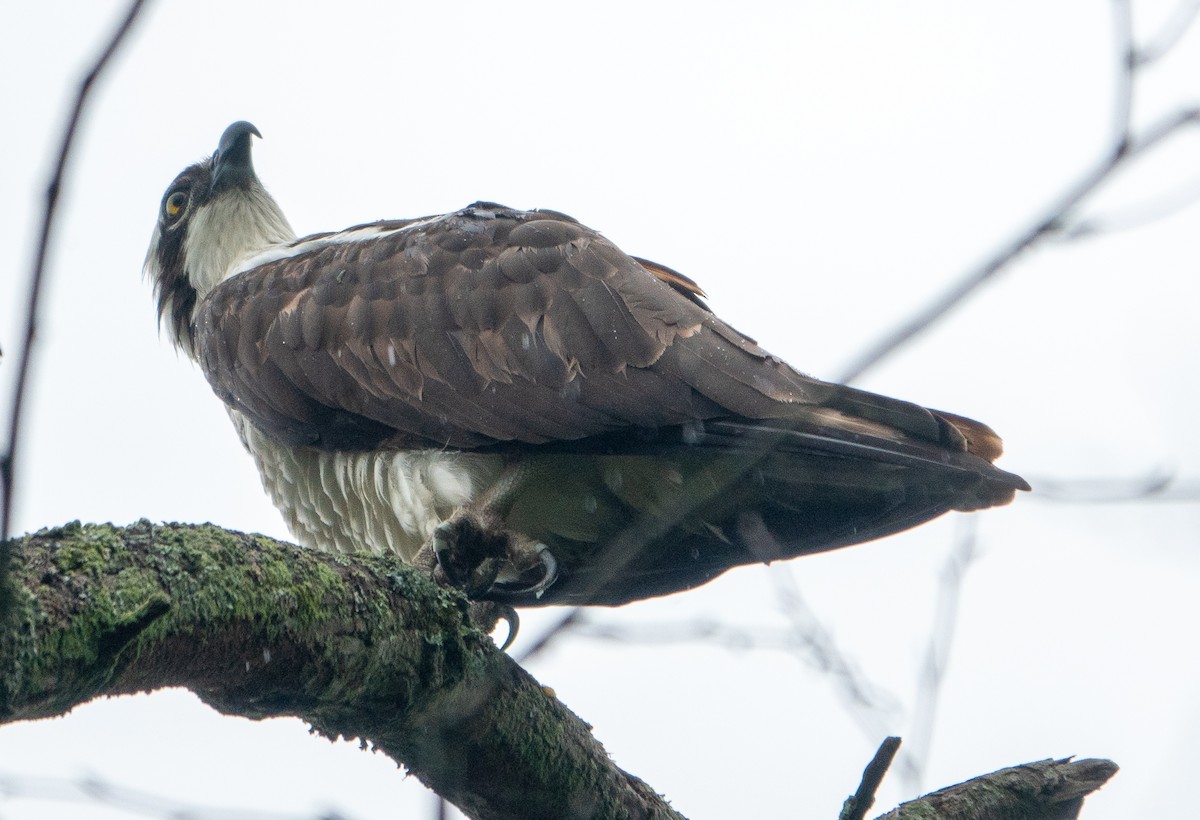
(232, 166)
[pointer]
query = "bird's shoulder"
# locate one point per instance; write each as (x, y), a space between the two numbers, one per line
(481, 270)
(536, 318)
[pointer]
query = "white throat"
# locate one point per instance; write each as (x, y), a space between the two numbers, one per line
(237, 225)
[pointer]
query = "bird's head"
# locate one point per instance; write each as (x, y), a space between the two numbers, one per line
(213, 216)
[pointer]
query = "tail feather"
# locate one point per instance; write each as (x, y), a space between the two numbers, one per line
(980, 439)
(672, 508)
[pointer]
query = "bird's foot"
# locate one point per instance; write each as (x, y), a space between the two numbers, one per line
(474, 553)
(469, 553)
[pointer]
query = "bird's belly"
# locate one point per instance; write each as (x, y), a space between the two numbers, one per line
(355, 501)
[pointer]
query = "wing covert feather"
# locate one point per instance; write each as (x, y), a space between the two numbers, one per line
(492, 325)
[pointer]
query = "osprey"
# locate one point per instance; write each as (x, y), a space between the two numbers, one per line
(509, 397)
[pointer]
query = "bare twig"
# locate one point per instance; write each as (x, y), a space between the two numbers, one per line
(567, 621)
(1126, 76)
(1157, 485)
(1126, 147)
(1045, 790)
(8, 460)
(870, 706)
(708, 630)
(1132, 61)
(1053, 222)
(1172, 32)
(857, 804)
(937, 654)
(1144, 213)
(130, 801)
(805, 637)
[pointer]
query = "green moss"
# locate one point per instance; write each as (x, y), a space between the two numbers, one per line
(84, 551)
(365, 646)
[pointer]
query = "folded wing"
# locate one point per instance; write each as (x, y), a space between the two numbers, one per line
(491, 325)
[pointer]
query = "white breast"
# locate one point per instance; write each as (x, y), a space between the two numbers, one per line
(350, 502)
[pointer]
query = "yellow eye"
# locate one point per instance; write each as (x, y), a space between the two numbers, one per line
(175, 204)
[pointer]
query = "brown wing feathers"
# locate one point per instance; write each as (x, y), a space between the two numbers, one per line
(491, 325)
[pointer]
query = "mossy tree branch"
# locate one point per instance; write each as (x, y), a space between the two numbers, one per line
(359, 646)
(1045, 790)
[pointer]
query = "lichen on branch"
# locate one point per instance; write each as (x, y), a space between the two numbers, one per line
(358, 646)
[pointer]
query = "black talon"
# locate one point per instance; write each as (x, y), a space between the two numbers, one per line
(549, 567)
(485, 614)
(550, 564)
(514, 625)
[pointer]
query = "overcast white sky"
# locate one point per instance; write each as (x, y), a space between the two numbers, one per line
(822, 169)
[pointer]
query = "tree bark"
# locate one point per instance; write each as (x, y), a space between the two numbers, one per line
(1045, 790)
(359, 646)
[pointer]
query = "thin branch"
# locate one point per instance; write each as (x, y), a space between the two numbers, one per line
(1157, 485)
(1172, 32)
(1125, 150)
(131, 801)
(804, 637)
(1126, 75)
(705, 630)
(867, 703)
(572, 617)
(937, 654)
(859, 803)
(1050, 223)
(1164, 205)
(9, 457)
(1045, 790)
